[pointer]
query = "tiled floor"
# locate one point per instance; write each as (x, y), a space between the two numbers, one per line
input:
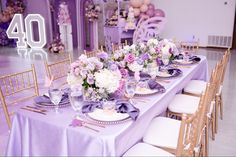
(225, 143)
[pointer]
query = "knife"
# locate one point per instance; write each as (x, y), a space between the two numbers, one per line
(33, 110)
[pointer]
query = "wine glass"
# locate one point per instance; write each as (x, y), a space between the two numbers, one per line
(55, 96)
(165, 60)
(108, 106)
(186, 56)
(76, 101)
(130, 87)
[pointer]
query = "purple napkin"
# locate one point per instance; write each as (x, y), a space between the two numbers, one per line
(90, 106)
(154, 85)
(194, 58)
(123, 106)
(174, 72)
(46, 100)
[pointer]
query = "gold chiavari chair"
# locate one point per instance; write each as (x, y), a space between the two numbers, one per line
(188, 104)
(58, 70)
(219, 97)
(170, 137)
(195, 87)
(92, 53)
(118, 46)
(192, 46)
(17, 87)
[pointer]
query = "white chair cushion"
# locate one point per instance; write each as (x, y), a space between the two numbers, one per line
(163, 132)
(143, 149)
(183, 103)
(195, 87)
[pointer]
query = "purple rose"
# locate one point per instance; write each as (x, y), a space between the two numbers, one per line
(90, 79)
(145, 56)
(124, 72)
(129, 58)
(112, 66)
(159, 62)
(102, 55)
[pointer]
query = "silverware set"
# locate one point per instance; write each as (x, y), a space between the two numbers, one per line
(86, 124)
(34, 109)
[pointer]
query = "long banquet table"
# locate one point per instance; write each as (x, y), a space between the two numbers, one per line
(34, 134)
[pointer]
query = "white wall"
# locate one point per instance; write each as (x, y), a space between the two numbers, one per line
(198, 18)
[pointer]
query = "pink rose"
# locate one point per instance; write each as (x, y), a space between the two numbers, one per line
(124, 72)
(129, 58)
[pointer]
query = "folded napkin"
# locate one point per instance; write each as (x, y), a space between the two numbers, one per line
(195, 58)
(123, 106)
(46, 100)
(174, 72)
(89, 106)
(192, 58)
(154, 85)
(180, 56)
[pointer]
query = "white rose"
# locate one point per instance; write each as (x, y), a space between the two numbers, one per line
(152, 51)
(135, 67)
(127, 48)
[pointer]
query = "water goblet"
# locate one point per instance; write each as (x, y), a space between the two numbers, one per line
(165, 60)
(130, 88)
(76, 101)
(55, 96)
(108, 106)
(186, 56)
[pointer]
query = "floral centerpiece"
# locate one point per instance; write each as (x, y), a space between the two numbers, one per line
(56, 46)
(142, 56)
(96, 78)
(12, 7)
(63, 14)
(92, 11)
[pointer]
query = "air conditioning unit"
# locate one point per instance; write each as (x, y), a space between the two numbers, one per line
(219, 41)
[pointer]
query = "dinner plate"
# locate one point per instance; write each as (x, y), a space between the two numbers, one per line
(44, 101)
(145, 91)
(107, 117)
(169, 73)
(192, 60)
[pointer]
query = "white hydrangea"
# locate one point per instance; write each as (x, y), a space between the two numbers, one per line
(108, 80)
(126, 48)
(73, 80)
(135, 67)
(152, 42)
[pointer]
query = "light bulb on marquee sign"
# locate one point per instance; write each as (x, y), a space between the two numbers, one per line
(16, 31)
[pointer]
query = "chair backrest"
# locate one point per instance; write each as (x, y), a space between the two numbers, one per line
(91, 53)
(118, 46)
(225, 61)
(59, 69)
(190, 132)
(193, 127)
(192, 46)
(17, 87)
(148, 28)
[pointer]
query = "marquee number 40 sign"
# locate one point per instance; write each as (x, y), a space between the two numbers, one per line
(16, 31)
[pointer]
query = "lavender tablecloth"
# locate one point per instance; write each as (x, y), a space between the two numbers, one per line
(34, 134)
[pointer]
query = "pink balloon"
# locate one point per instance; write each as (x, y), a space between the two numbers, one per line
(136, 3)
(150, 12)
(146, 1)
(136, 12)
(151, 6)
(159, 12)
(143, 8)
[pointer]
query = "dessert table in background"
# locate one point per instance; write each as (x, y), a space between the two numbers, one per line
(35, 134)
